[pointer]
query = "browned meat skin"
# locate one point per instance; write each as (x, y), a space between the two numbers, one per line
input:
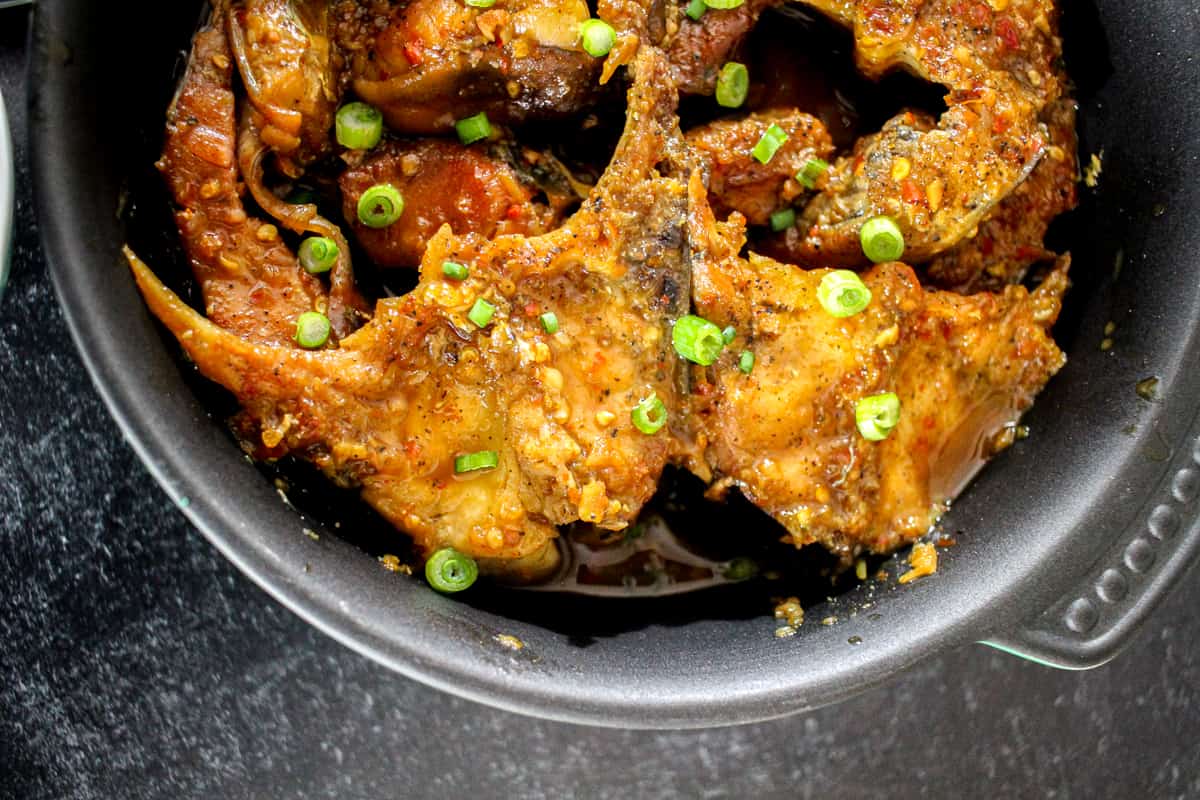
(289, 67)
(1010, 240)
(793, 244)
(701, 47)
(939, 184)
(393, 405)
(439, 61)
(252, 284)
(444, 183)
(738, 181)
(785, 434)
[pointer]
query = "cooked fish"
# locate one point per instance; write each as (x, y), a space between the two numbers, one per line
(939, 182)
(428, 380)
(785, 434)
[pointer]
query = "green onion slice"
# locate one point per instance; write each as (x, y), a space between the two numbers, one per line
(450, 571)
(740, 569)
(881, 239)
(650, 415)
(481, 313)
(814, 168)
(723, 5)
(549, 322)
(770, 142)
(696, 9)
(358, 126)
(454, 271)
(318, 254)
(746, 361)
(783, 219)
(729, 334)
(473, 462)
(877, 416)
(597, 37)
(733, 82)
(697, 340)
(481, 3)
(380, 206)
(312, 330)
(474, 128)
(842, 293)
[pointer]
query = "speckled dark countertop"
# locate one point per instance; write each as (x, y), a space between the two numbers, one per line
(136, 663)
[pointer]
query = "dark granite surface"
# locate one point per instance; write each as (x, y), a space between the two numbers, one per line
(136, 663)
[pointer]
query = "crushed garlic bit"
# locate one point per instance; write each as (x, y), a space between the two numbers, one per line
(791, 611)
(923, 561)
(1091, 175)
(392, 564)
(509, 641)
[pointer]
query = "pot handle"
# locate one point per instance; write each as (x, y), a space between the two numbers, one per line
(1091, 624)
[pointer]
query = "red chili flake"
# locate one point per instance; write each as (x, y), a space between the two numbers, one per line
(514, 211)
(911, 192)
(980, 15)
(1000, 124)
(1007, 31)
(879, 18)
(986, 245)
(1025, 251)
(532, 309)
(414, 52)
(929, 422)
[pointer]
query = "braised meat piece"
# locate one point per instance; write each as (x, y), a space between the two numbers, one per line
(785, 433)
(439, 61)
(740, 182)
(471, 189)
(468, 367)
(940, 183)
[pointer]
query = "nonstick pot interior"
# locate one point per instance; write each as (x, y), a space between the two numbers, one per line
(1044, 516)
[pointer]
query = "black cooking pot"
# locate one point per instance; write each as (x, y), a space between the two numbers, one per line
(1064, 544)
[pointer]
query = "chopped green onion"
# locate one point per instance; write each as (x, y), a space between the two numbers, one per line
(770, 142)
(783, 219)
(723, 5)
(481, 313)
(740, 569)
(881, 239)
(312, 330)
(650, 415)
(318, 254)
(697, 340)
(358, 126)
(597, 37)
(696, 9)
(877, 416)
(746, 361)
(549, 322)
(481, 3)
(454, 271)
(733, 82)
(729, 334)
(842, 293)
(450, 571)
(474, 128)
(812, 169)
(380, 206)
(473, 462)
